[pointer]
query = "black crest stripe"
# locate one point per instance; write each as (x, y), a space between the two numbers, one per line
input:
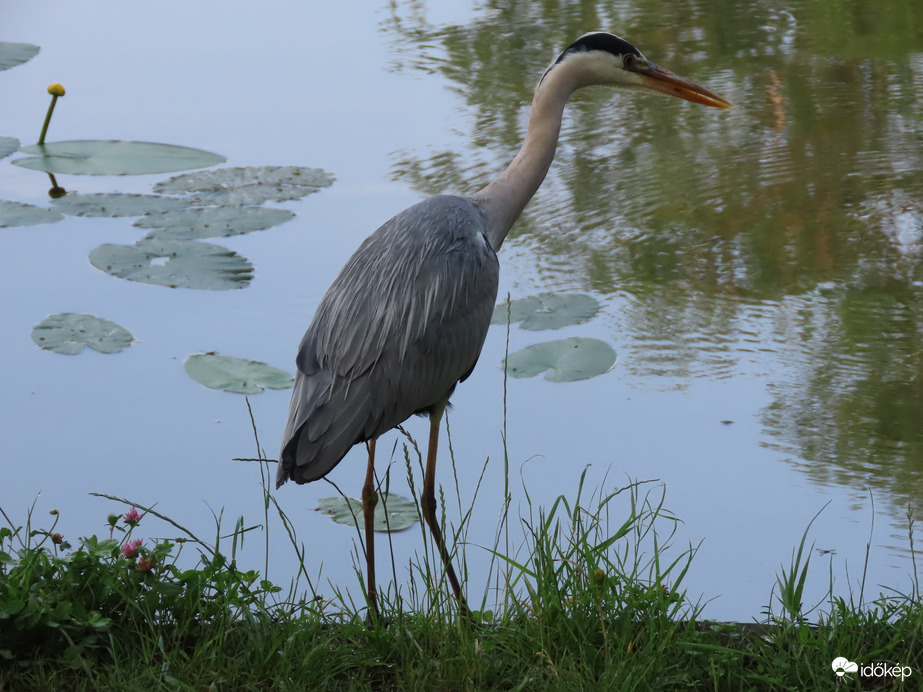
(600, 41)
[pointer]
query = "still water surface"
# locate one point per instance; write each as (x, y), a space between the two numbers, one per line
(759, 269)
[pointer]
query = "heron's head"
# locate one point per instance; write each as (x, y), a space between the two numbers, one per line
(602, 58)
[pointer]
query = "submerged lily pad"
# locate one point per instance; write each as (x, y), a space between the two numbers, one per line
(566, 360)
(109, 204)
(547, 311)
(235, 374)
(7, 146)
(21, 214)
(214, 222)
(114, 157)
(13, 54)
(69, 332)
(174, 263)
(392, 513)
(250, 186)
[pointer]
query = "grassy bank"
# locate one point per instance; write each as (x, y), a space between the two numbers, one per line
(590, 599)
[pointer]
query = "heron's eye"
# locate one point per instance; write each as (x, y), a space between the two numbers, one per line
(630, 61)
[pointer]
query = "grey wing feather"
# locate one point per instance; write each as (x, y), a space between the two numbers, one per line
(400, 326)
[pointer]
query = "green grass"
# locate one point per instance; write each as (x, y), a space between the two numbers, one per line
(592, 598)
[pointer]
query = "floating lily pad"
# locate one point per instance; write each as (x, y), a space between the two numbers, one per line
(253, 185)
(109, 204)
(21, 214)
(566, 360)
(392, 513)
(174, 263)
(7, 146)
(214, 222)
(547, 311)
(235, 374)
(13, 54)
(114, 157)
(69, 332)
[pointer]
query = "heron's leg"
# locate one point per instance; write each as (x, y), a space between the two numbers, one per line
(428, 505)
(369, 500)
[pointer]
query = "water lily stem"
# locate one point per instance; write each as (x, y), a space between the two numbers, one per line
(41, 137)
(55, 90)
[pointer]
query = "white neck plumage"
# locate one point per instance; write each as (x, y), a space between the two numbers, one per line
(503, 200)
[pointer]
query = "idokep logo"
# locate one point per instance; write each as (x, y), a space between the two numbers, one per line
(842, 666)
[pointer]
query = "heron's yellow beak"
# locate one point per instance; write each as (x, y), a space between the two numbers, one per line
(660, 79)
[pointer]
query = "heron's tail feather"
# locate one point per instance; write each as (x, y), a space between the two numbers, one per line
(323, 425)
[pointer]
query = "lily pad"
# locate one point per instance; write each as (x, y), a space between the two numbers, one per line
(252, 185)
(114, 157)
(235, 374)
(214, 222)
(392, 513)
(7, 146)
(21, 214)
(110, 204)
(174, 263)
(547, 311)
(566, 360)
(13, 54)
(69, 332)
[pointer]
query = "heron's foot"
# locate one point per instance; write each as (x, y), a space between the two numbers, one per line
(464, 612)
(375, 620)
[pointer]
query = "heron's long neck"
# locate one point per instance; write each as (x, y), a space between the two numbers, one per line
(503, 200)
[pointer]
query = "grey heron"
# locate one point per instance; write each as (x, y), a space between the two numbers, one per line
(404, 321)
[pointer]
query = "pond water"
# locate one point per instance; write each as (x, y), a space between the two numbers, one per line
(759, 269)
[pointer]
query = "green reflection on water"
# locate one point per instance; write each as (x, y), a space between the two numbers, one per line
(790, 226)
